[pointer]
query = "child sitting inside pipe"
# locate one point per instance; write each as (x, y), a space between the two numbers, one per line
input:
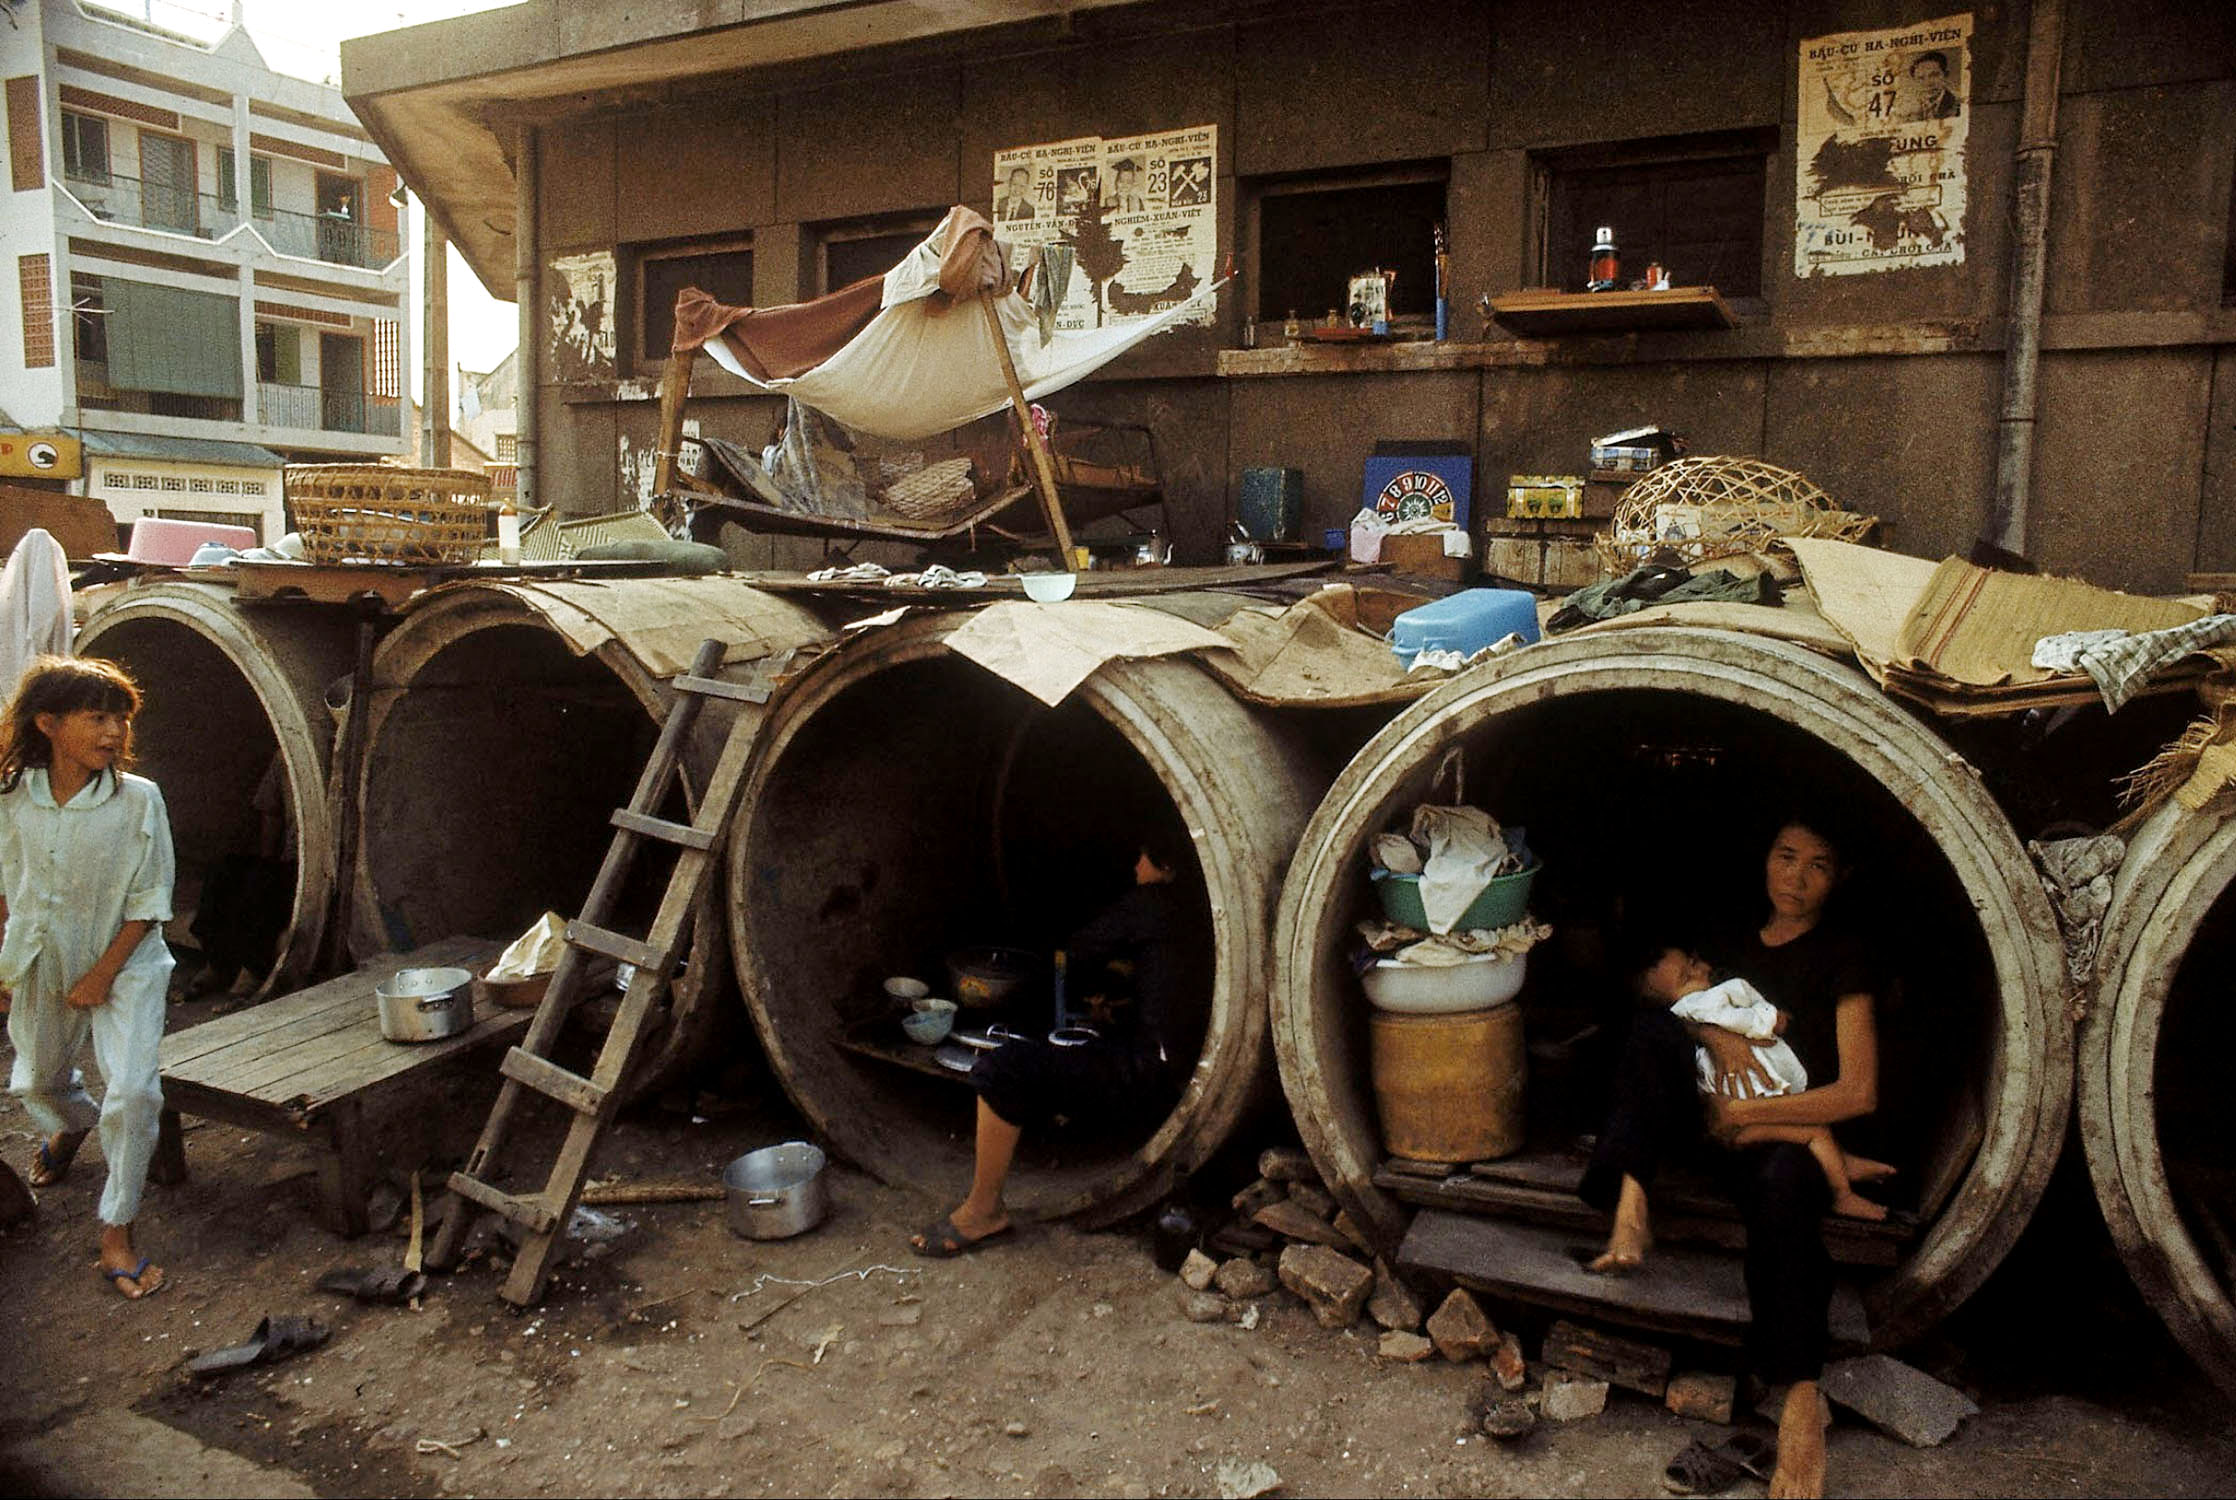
(1126, 963)
(1682, 982)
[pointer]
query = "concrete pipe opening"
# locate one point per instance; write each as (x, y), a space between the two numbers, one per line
(234, 703)
(906, 803)
(1653, 763)
(497, 752)
(2155, 1109)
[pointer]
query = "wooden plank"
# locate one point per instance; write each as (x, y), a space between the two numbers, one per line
(211, 1104)
(683, 835)
(384, 1064)
(901, 1055)
(615, 945)
(346, 1171)
(526, 1212)
(1696, 1293)
(275, 1073)
(1552, 314)
(553, 1082)
(256, 1023)
(715, 687)
(1850, 1241)
(1634, 1366)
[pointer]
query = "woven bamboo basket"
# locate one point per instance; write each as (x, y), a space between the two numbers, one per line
(377, 513)
(1711, 507)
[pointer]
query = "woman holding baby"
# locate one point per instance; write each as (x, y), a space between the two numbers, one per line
(1815, 976)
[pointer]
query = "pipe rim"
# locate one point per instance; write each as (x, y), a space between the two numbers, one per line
(2024, 1130)
(1124, 694)
(2177, 869)
(209, 612)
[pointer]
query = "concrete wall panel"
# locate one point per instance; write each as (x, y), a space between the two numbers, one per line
(1487, 202)
(2216, 516)
(2139, 203)
(577, 163)
(1910, 440)
(2119, 448)
(578, 455)
(1379, 84)
(2118, 44)
(725, 164)
(870, 148)
(1327, 426)
(1188, 422)
(1542, 421)
(1563, 73)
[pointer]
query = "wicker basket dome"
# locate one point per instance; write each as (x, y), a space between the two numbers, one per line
(1715, 506)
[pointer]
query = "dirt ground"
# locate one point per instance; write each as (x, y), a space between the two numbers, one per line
(1057, 1364)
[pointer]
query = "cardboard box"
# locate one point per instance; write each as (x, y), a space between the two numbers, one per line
(1540, 496)
(1422, 555)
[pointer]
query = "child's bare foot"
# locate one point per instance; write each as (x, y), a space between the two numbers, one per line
(1864, 1169)
(131, 1273)
(52, 1161)
(1856, 1206)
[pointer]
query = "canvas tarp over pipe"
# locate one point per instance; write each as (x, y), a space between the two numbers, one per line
(908, 357)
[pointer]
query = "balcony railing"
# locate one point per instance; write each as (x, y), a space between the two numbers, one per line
(150, 205)
(306, 406)
(326, 237)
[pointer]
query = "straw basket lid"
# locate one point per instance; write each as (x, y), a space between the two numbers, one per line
(1718, 506)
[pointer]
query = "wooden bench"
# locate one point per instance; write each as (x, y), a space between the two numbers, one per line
(312, 1063)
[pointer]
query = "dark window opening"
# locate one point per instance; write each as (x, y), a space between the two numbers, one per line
(850, 252)
(726, 275)
(1694, 208)
(1313, 238)
(89, 321)
(85, 147)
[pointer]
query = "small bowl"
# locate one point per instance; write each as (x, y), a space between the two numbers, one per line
(1049, 588)
(928, 1025)
(908, 990)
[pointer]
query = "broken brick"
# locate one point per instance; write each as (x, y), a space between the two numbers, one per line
(1461, 1329)
(1332, 1284)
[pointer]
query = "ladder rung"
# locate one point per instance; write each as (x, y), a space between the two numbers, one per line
(549, 1079)
(660, 828)
(713, 687)
(526, 1212)
(613, 945)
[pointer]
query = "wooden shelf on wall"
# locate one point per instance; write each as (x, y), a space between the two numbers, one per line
(1545, 314)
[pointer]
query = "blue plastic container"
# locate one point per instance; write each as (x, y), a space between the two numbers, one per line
(1465, 622)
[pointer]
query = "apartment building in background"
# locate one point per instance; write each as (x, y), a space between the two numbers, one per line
(209, 279)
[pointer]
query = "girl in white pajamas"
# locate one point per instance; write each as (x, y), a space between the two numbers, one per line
(85, 888)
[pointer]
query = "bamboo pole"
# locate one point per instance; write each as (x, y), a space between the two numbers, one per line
(1044, 469)
(674, 387)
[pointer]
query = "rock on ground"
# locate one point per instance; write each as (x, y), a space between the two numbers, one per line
(1397, 1344)
(1242, 1279)
(1568, 1396)
(1898, 1400)
(1241, 1480)
(1461, 1329)
(1331, 1283)
(1391, 1304)
(1197, 1270)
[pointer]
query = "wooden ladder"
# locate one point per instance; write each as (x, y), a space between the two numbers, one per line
(543, 1215)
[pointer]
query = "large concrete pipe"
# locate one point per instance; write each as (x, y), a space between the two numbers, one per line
(1648, 758)
(2153, 1089)
(227, 688)
(507, 723)
(906, 802)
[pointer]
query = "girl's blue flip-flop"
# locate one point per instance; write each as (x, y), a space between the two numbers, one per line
(116, 1274)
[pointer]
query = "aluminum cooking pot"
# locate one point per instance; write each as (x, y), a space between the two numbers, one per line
(425, 1005)
(776, 1192)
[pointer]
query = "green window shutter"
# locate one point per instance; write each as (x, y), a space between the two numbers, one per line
(228, 180)
(166, 339)
(260, 186)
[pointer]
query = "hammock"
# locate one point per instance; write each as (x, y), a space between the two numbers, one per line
(905, 357)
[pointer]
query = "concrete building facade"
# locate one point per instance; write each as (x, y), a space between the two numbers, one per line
(208, 279)
(589, 143)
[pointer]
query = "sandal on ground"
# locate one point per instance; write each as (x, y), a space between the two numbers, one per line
(117, 1276)
(392, 1285)
(1702, 1470)
(943, 1241)
(275, 1339)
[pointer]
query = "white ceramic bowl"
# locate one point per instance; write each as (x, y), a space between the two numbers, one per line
(1049, 588)
(1433, 990)
(906, 990)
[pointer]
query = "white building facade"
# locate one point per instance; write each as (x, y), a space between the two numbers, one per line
(209, 275)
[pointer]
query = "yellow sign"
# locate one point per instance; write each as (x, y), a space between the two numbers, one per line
(40, 455)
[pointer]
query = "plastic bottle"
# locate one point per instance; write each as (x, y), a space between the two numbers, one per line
(1290, 327)
(1606, 265)
(508, 536)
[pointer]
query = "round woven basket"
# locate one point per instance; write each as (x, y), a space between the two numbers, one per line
(377, 513)
(1715, 506)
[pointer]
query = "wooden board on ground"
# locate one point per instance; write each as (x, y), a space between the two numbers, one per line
(1689, 1292)
(1115, 583)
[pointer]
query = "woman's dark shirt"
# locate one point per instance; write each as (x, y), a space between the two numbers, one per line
(1805, 978)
